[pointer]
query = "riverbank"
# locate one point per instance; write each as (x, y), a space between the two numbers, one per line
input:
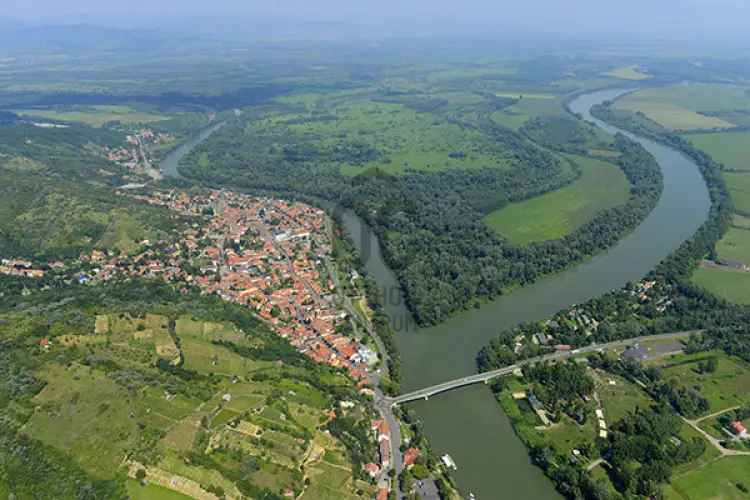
(468, 423)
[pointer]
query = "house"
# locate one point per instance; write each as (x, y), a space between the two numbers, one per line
(382, 494)
(410, 456)
(372, 469)
(385, 453)
(738, 429)
(540, 338)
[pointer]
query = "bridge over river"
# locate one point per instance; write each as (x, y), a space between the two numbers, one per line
(487, 376)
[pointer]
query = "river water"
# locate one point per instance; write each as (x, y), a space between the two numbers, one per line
(468, 423)
(169, 166)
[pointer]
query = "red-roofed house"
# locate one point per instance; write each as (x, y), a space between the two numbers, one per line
(372, 469)
(738, 429)
(410, 456)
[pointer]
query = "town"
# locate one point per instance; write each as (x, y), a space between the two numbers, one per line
(269, 255)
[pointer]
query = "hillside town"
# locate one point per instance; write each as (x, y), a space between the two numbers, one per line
(269, 255)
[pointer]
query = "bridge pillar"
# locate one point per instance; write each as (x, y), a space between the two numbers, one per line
(427, 398)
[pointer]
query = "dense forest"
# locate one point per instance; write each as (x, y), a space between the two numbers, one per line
(430, 223)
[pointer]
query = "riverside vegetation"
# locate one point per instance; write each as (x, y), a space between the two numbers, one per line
(666, 300)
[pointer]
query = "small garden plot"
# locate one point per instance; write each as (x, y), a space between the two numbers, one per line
(277, 478)
(182, 436)
(173, 406)
(309, 418)
(223, 417)
(176, 465)
(246, 401)
(303, 393)
(136, 491)
(204, 357)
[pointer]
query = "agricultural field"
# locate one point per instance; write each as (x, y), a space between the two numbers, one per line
(729, 148)
(733, 150)
(735, 245)
(96, 116)
(159, 397)
(728, 284)
(688, 107)
(632, 73)
(739, 189)
(724, 388)
(530, 105)
(717, 480)
(553, 215)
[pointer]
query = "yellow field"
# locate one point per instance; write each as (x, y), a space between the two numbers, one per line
(628, 73)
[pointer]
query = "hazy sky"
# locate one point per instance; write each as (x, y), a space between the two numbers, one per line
(670, 18)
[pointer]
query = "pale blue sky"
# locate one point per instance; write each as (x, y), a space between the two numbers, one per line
(670, 18)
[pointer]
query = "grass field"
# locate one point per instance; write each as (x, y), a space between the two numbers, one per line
(151, 492)
(680, 107)
(95, 116)
(735, 245)
(628, 73)
(620, 399)
(84, 413)
(733, 286)
(716, 481)
(739, 189)
(730, 148)
(553, 215)
(724, 388)
(402, 137)
(530, 106)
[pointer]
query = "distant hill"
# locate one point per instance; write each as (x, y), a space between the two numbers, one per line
(15, 37)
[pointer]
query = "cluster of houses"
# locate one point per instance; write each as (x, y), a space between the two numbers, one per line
(269, 255)
(382, 435)
(134, 156)
(20, 267)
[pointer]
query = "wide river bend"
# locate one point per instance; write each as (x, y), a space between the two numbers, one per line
(468, 423)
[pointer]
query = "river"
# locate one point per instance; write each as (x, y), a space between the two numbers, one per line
(169, 166)
(468, 423)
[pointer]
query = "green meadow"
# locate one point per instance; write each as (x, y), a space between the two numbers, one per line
(553, 215)
(724, 388)
(739, 189)
(735, 245)
(733, 286)
(528, 107)
(402, 138)
(730, 148)
(96, 116)
(687, 107)
(716, 480)
(628, 73)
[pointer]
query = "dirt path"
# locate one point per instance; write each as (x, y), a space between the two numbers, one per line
(725, 452)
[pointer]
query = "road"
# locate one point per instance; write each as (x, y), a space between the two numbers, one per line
(381, 401)
(487, 376)
(716, 443)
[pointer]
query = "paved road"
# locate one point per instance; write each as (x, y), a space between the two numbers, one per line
(486, 376)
